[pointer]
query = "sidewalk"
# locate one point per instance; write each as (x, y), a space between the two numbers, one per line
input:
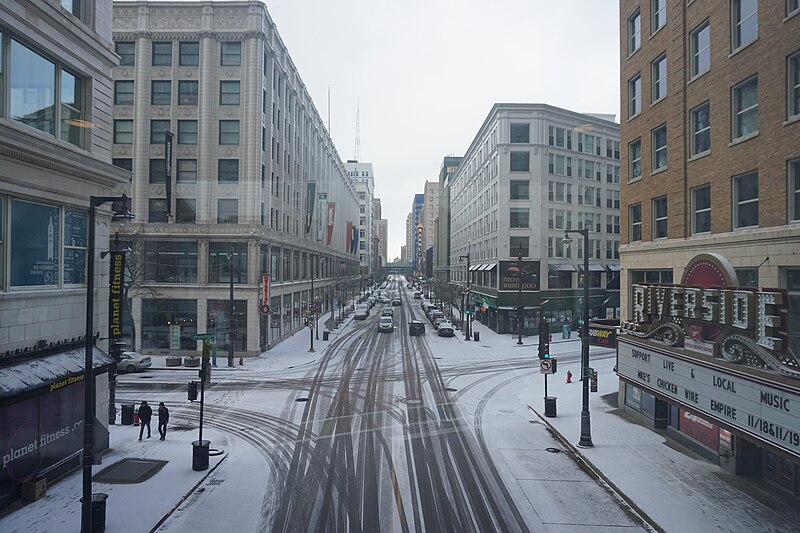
(676, 490)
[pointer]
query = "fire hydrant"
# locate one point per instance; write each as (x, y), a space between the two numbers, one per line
(569, 376)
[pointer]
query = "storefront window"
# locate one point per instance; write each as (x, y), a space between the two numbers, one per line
(274, 260)
(35, 244)
(170, 262)
(286, 273)
(219, 264)
(169, 324)
(559, 280)
(75, 226)
(217, 323)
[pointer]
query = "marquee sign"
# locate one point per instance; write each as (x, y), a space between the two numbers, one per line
(763, 409)
(709, 313)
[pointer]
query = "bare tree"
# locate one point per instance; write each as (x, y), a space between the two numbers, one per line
(135, 285)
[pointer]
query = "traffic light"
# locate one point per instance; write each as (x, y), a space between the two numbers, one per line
(192, 391)
(544, 339)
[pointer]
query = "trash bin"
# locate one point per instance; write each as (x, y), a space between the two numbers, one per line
(127, 414)
(200, 454)
(550, 406)
(476, 336)
(325, 335)
(98, 510)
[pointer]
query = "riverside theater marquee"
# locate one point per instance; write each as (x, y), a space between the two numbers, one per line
(714, 350)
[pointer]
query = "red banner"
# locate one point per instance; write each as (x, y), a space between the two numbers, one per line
(699, 429)
(331, 219)
(349, 237)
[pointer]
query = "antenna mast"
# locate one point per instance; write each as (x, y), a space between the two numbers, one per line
(357, 154)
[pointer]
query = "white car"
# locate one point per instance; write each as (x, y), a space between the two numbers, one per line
(385, 323)
(133, 362)
(446, 329)
(361, 313)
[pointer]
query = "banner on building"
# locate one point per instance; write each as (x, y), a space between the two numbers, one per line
(510, 275)
(168, 169)
(311, 192)
(349, 247)
(116, 284)
(355, 233)
(331, 219)
(322, 203)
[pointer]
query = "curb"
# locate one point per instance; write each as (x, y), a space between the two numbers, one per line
(626, 503)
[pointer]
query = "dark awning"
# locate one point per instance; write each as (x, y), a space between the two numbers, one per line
(564, 267)
(490, 267)
(593, 267)
(614, 268)
(473, 267)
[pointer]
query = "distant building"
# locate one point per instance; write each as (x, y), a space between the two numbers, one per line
(441, 242)
(363, 177)
(532, 171)
(417, 232)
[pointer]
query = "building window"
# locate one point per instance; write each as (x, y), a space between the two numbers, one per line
(559, 279)
(160, 317)
(634, 32)
(660, 218)
(519, 189)
(158, 128)
(518, 217)
(635, 216)
(790, 280)
(162, 54)
(35, 244)
(158, 171)
(75, 237)
(794, 189)
(228, 170)
(520, 161)
(635, 160)
(170, 262)
(161, 92)
(745, 108)
(187, 92)
(227, 211)
(659, 73)
(187, 132)
(228, 132)
(520, 133)
(658, 17)
(748, 277)
(701, 209)
(189, 54)
(634, 98)
(229, 93)
(185, 210)
(700, 44)
(187, 171)
(125, 163)
(744, 17)
(793, 76)
(514, 245)
(219, 262)
(745, 200)
(231, 54)
(157, 210)
(123, 132)
(126, 50)
(701, 129)
(123, 92)
(660, 147)
(792, 7)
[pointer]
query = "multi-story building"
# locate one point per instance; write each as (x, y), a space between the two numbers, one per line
(257, 187)
(56, 61)
(430, 211)
(407, 254)
(363, 178)
(441, 244)
(532, 171)
(711, 189)
(417, 229)
(382, 240)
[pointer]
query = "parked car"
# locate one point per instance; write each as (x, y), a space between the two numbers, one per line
(133, 362)
(361, 313)
(387, 311)
(397, 302)
(437, 321)
(385, 323)
(418, 296)
(416, 327)
(446, 329)
(433, 315)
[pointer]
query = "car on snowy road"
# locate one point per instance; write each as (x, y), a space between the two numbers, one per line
(416, 327)
(446, 329)
(133, 362)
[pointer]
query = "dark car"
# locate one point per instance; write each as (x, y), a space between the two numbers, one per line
(417, 295)
(416, 327)
(397, 302)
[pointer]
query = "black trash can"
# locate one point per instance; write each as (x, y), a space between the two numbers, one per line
(200, 454)
(127, 414)
(476, 336)
(550, 406)
(325, 335)
(98, 510)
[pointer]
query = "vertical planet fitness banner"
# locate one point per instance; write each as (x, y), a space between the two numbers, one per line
(331, 219)
(116, 280)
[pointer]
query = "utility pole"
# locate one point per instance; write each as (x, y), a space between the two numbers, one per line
(467, 315)
(311, 307)
(231, 309)
(520, 307)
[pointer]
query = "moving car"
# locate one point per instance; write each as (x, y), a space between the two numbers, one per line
(446, 329)
(361, 313)
(133, 362)
(396, 302)
(387, 311)
(385, 299)
(417, 295)
(385, 323)
(416, 327)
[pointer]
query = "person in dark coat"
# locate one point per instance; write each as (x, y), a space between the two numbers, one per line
(163, 418)
(145, 413)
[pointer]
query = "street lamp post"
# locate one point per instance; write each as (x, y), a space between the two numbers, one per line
(231, 309)
(466, 325)
(586, 427)
(311, 310)
(121, 208)
(519, 295)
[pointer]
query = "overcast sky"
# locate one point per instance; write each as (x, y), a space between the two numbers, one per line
(425, 74)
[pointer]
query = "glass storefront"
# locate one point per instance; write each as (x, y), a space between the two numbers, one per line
(169, 324)
(217, 323)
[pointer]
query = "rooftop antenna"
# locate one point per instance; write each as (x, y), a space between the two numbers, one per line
(357, 151)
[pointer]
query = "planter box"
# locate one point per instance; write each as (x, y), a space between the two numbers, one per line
(191, 361)
(174, 360)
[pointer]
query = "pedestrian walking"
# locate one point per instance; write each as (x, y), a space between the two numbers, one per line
(145, 413)
(163, 418)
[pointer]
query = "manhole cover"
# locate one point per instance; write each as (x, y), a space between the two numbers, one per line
(130, 471)
(302, 399)
(553, 450)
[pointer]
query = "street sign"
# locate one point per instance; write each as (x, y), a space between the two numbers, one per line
(547, 366)
(203, 336)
